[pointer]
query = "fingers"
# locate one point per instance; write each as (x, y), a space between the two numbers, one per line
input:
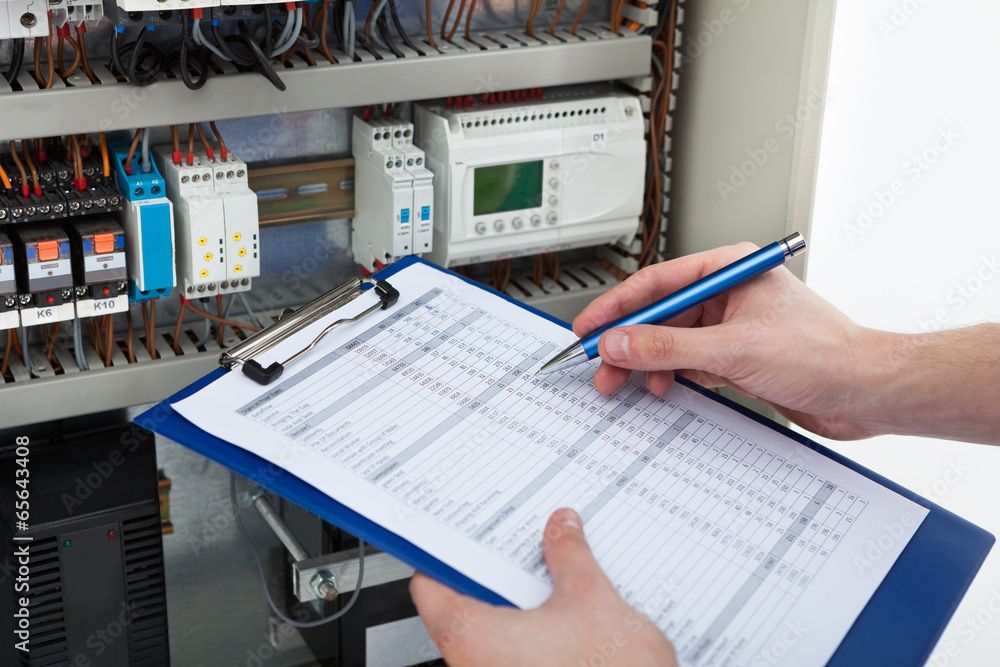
(608, 379)
(649, 347)
(568, 556)
(655, 282)
(658, 382)
(446, 613)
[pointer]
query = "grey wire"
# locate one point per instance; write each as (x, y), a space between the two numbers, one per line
(201, 41)
(25, 355)
(378, 10)
(146, 166)
(246, 307)
(263, 577)
(290, 33)
(208, 324)
(81, 359)
(349, 27)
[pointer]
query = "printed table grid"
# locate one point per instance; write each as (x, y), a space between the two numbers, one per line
(767, 521)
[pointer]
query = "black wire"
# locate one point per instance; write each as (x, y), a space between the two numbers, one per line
(223, 42)
(16, 60)
(145, 62)
(339, 38)
(399, 28)
(382, 25)
(268, 31)
(116, 58)
(200, 57)
(263, 61)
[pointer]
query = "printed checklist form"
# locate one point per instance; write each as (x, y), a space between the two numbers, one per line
(744, 546)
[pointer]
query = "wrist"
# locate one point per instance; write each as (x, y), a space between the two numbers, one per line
(877, 385)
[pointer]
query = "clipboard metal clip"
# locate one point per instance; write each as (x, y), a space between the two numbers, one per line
(245, 354)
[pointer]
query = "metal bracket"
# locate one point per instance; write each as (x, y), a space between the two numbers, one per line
(342, 568)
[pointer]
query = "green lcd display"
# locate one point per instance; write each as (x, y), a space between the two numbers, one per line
(507, 187)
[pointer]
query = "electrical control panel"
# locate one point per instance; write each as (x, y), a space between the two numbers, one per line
(199, 222)
(148, 220)
(9, 316)
(530, 177)
(23, 18)
(99, 267)
(393, 192)
(44, 274)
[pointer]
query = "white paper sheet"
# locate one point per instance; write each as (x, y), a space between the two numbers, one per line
(744, 546)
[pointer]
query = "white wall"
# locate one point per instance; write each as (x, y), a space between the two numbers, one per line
(906, 232)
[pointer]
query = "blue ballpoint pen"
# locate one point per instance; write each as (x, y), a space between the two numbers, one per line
(672, 305)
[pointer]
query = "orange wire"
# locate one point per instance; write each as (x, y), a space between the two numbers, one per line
(4, 177)
(131, 150)
(579, 16)
(555, 17)
(430, 24)
(25, 146)
(105, 158)
(529, 25)
(19, 165)
(468, 19)
(223, 149)
(458, 19)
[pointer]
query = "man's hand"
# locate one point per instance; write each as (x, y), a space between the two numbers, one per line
(777, 340)
(584, 622)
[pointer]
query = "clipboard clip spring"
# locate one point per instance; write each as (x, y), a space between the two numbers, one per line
(244, 355)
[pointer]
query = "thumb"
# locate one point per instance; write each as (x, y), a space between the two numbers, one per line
(571, 563)
(651, 347)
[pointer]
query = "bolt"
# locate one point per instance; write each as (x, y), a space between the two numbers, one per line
(28, 20)
(240, 173)
(629, 111)
(324, 586)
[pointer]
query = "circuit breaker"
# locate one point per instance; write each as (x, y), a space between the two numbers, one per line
(393, 193)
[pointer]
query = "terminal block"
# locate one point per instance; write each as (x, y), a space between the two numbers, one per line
(44, 274)
(23, 18)
(199, 223)
(148, 219)
(242, 223)
(10, 318)
(393, 191)
(99, 267)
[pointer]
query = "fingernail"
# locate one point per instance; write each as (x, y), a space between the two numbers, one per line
(616, 345)
(570, 519)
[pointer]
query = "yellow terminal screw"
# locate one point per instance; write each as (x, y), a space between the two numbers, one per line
(208, 256)
(203, 273)
(237, 236)
(203, 240)
(242, 252)
(238, 268)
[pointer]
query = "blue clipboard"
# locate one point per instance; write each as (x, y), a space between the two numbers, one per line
(899, 626)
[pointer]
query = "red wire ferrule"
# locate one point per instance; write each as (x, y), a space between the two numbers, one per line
(190, 159)
(290, 6)
(81, 28)
(176, 157)
(38, 190)
(43, 156)
(80, 184)
(210, 153)
(197, 13)
(25, 191)
(224, 154)
(128, 169)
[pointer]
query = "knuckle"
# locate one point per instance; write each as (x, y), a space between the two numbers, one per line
(659, 344)
(745, 246)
